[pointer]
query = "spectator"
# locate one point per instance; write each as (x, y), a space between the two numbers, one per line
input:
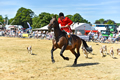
(117, 38)
(100, 36)
(109, 39)
(96, 36)
(91, 35)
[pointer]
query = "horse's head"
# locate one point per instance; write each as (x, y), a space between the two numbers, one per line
(52, 24)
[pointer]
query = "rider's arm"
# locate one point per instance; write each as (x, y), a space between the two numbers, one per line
(69, 22)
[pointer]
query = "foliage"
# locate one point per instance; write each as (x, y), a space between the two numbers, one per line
(35, 22)
(97, 22)
(23, 16)
(110, 22)
(76, 18)
(118, 24)
(42, 20)
(69, 16)
(11, 20)
(102, 21)
(1, 20)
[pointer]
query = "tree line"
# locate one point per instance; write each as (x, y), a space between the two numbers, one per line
(103, 21)
(25, 15)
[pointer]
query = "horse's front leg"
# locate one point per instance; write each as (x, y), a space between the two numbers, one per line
(53, 49)
(61, 53)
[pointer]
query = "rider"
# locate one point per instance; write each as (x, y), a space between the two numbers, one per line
(65, 23)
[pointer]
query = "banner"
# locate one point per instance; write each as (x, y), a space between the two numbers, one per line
(29, 25)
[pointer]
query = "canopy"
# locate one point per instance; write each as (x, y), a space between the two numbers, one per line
(84, 26)
(118, 28)
(74, 26)
(43, 28)
(12, 26)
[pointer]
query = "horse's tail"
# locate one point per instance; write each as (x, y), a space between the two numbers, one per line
(86, 46)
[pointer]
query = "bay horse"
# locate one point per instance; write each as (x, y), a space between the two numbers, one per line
(60, 41)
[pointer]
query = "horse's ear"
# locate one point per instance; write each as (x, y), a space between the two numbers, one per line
(52, 17)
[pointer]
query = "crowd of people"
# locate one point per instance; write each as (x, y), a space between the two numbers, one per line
(95, 37)
(30, 34)
(98, 37)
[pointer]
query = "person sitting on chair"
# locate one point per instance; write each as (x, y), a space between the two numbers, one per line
(65, 23)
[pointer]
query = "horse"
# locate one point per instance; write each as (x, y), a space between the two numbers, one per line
(60, 41)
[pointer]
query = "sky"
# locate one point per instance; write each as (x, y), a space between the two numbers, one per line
(91, 10)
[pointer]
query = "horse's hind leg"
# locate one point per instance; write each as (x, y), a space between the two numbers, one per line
(53, 49)
(76, 55)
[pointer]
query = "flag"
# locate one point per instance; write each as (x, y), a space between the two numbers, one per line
(29, 25)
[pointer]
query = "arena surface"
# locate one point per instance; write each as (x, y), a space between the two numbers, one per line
(17, 64)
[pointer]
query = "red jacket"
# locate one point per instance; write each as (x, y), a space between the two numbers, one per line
(64, 22)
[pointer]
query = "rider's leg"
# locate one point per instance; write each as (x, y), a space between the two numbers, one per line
(69, 39)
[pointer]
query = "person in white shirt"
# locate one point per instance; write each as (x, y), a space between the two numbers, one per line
(117, 37)
(91, 35)
(95, 36)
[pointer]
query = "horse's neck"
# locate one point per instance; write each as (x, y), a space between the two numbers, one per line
(57, 32)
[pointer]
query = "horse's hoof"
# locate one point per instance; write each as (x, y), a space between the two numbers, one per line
(66, 58)
(53, 61)
(74, 64)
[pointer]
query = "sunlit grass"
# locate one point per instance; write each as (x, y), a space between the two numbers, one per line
(17, 64)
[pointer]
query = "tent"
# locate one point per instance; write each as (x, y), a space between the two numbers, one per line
(9, 27)
(74, 26)
(84, 26)
(118, 28)
(12, 26)
(43, 28)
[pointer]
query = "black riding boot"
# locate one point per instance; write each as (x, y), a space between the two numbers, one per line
(69, 40)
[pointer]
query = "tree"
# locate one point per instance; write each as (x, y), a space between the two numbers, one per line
(1, 20)
(11, 21)
(97, 22)
(110, 22)
(118, 24)
(69, 16)
(101, 20)
(35, 22)
(76, 17)
(23, 16)
(44, 18)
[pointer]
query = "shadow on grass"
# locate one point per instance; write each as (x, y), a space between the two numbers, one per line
(83, 64)
(33, 54)
(89, 58)
(94, 54)
(104, 55)
(115, 58)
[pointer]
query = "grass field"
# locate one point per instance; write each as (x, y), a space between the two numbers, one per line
(17, 64)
